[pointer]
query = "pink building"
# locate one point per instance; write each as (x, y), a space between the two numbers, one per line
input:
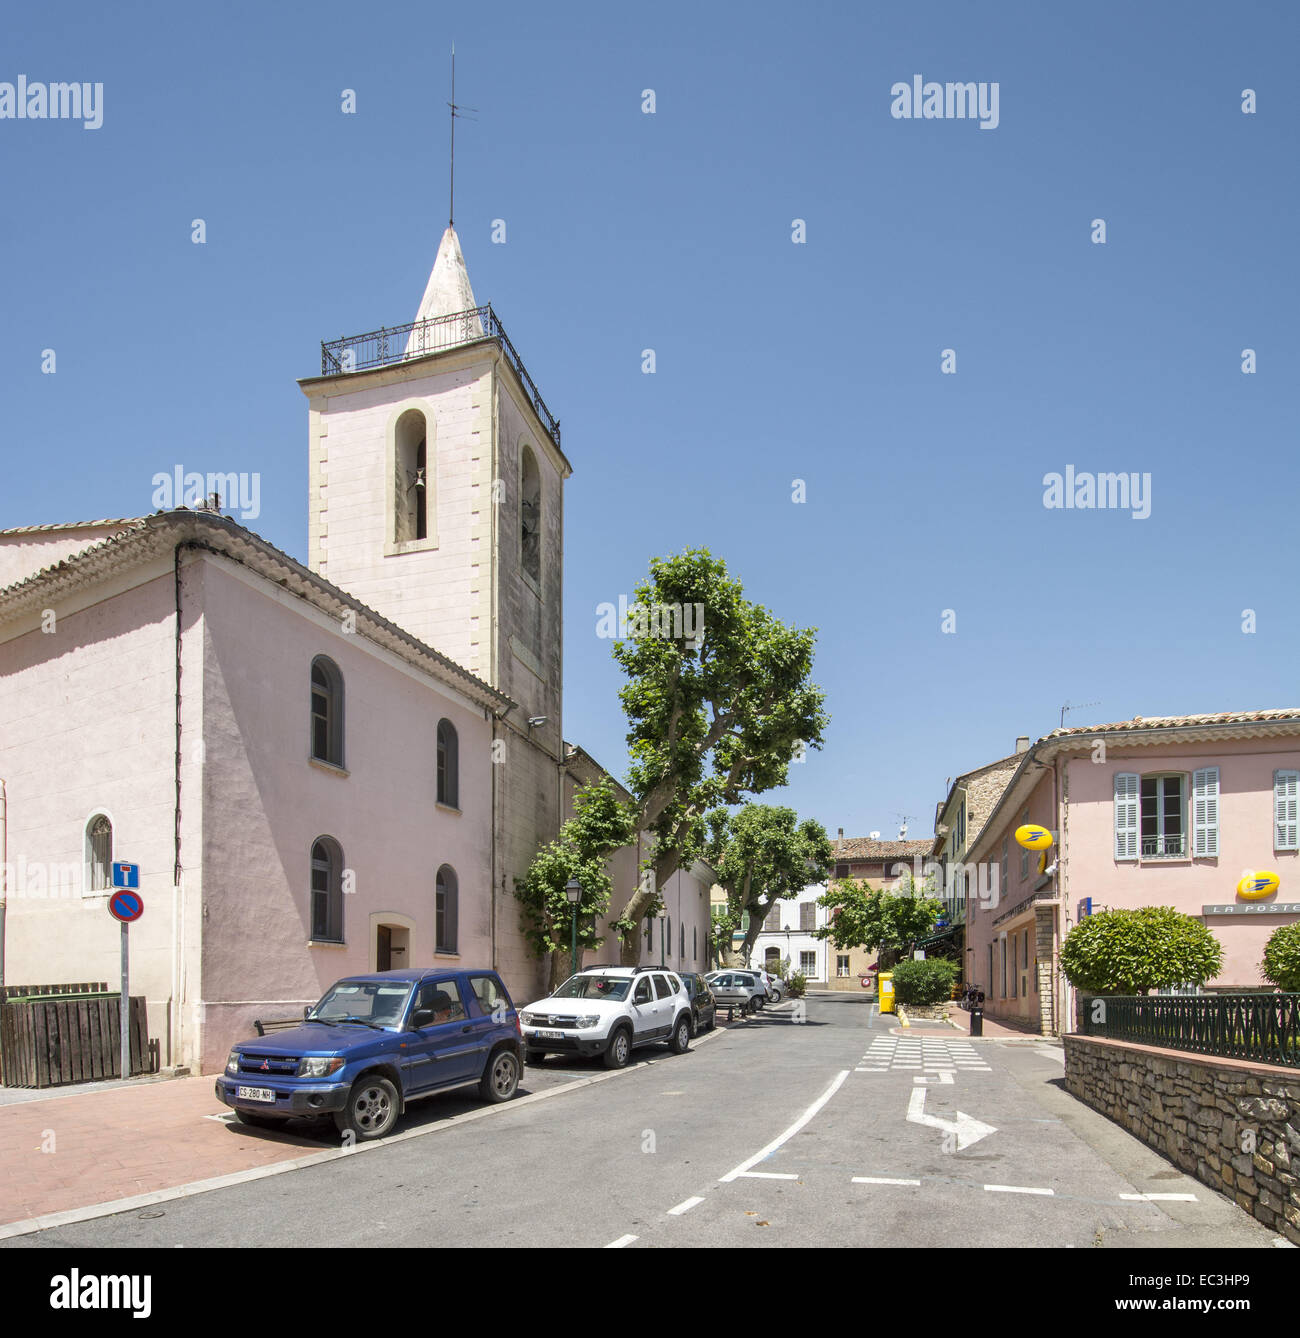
(1161, 811)
(321, 768)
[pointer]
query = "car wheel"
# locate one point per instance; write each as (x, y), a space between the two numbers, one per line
(752, 1007)
(681, 1039)
(371, 1110)
(501, 1077)
(619, 1049)
(713, 1020)
(257, 1121)
(536, 1056)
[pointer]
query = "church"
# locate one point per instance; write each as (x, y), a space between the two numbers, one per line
(321, 768)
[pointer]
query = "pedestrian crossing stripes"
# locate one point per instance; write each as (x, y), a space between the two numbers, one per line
(927, 1054)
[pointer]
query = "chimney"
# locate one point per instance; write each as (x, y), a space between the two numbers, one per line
(1022, 743)
(841, 833)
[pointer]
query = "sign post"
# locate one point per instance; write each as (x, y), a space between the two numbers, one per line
(126, 905)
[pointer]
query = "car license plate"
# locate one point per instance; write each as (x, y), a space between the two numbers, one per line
(551, 1035)
(254, 1094)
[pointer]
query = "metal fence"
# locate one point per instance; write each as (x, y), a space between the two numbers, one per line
(1263, 1027)
(399, 343)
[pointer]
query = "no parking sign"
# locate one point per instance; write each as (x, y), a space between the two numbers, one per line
(126, 905)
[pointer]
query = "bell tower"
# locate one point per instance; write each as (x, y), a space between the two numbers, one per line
(436, 487)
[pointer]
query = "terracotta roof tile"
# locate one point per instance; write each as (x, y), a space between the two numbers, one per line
(862, 848)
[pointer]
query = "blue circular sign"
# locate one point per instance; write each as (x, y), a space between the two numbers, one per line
(126, 906)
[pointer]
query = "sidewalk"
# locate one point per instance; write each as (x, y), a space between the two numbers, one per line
(959, 1024)
(77, 1149)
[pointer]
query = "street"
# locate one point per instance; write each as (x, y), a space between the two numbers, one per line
(816, 1124)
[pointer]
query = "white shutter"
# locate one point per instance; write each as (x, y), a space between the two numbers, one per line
(1286, 799)
(1205, 812)
(1127, 808)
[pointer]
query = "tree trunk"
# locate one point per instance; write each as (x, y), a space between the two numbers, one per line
(665, 865)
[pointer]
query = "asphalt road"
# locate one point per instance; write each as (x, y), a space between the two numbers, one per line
(792, 1129)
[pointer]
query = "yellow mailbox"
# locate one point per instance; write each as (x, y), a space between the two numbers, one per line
(887, 992)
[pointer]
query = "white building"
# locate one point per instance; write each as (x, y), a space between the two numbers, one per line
(788, 933)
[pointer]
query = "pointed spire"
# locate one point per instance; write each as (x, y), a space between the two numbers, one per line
(447, 293)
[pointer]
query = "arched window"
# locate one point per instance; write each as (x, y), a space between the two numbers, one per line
(446, 910)
(411, 478)
(326, 890)
(530, 514)
(99, 853)
(326, 711)
(448, 765)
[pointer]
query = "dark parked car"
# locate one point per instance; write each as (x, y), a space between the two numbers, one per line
(704, 1008)
(375, 1042)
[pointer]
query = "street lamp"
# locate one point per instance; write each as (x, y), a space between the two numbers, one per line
(573, 890)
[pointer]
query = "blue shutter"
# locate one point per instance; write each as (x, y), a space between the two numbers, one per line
(1128, 786)
(1205, 812)
(1286, 797)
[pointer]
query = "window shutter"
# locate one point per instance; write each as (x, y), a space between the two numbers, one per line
(1205, 812)
(1286, 802)
(807, 915)
(772, 924)
(1127, 787)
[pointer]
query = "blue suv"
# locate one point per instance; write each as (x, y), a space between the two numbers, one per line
(375, 1042)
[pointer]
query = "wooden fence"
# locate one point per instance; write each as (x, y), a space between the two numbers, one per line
(52, 1040)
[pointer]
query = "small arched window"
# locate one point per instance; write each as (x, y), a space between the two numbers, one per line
(326, 890)
(448, 765)
(530, 514)
(411, 489)
(446, 910)
(326, 711)
(99, 853)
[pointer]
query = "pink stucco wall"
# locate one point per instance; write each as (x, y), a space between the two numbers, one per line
(1088, 867)
(87, 724)
(267, 804)
(1245, 842)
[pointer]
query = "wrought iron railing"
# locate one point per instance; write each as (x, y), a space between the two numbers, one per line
(1263, 1026)
(1154, 847)
(399, 343)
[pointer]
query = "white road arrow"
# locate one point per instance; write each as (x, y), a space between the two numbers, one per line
(968, 1130)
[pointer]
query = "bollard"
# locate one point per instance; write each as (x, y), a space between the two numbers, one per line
(977, 1013)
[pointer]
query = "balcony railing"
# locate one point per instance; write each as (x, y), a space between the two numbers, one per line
(1164, 847)
(400, 343)
(1264, 1026)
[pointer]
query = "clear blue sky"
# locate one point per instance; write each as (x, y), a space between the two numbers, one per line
(775, 361)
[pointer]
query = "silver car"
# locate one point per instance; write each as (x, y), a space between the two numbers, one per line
(738, 989)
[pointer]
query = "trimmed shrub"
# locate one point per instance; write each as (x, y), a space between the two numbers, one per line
(1132, 952)
(1281, 963)
(925, 982)
(797, 984)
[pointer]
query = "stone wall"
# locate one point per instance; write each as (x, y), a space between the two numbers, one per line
(935, 1012)
(1234, 1125)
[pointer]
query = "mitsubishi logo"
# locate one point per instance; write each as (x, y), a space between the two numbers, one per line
(265, 1066)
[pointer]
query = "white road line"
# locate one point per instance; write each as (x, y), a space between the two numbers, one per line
(1155, 1198)
(1017, 1189)
(685, 1206)
(767, 1175)
(881, 1180)
(790, 1132)
(620, 1242)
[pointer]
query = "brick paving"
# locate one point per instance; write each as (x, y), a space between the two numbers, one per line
(114, 1144)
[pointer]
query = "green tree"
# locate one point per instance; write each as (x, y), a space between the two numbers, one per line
(862, 916)
(1134, 951)
(712, 718)
(763, 854)
(1281, 964)
(600, 825)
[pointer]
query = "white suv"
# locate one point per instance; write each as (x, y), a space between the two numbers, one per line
(609, 1010)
